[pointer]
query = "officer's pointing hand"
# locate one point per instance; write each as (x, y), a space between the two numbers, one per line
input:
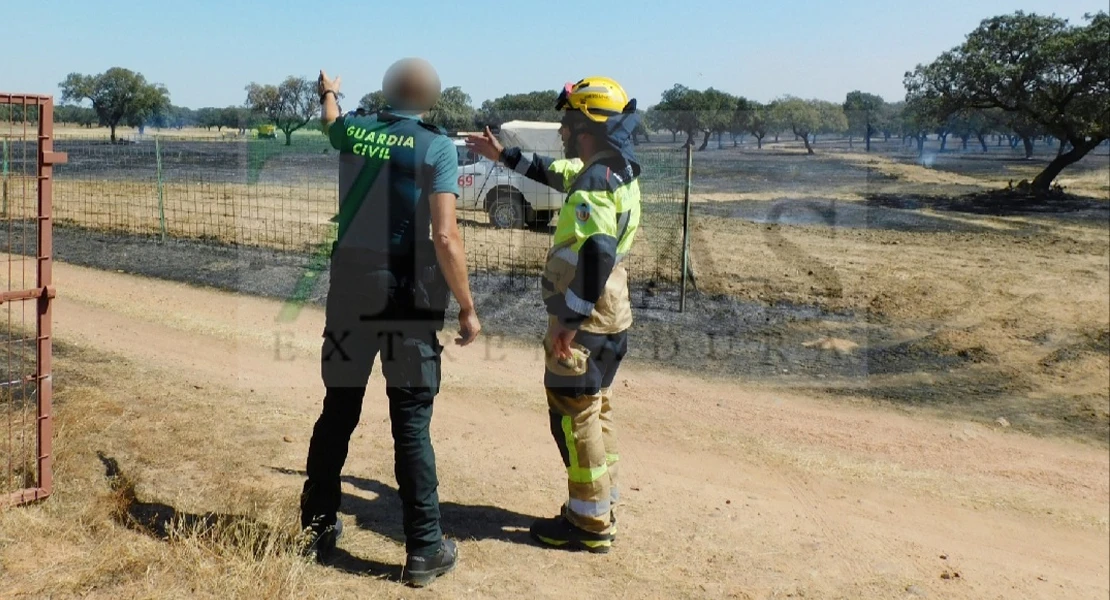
(485, 144)
(324, 84)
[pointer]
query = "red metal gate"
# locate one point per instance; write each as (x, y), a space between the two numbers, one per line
(26, 137)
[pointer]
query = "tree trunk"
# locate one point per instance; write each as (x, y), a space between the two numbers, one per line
(113, 126)
(674, 137)
(720, 140)
(705, 141)
(1044, 180)
(1063, 144)
(759, 141)
(809, 148)
(288, 138)
(963, 141)
(921, 145)
(943, 141)
(983, 142)
(850, 145)
(867, 138)
(1028, 141)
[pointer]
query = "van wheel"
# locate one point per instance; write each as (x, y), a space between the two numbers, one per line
(506, 210)
(540, 220)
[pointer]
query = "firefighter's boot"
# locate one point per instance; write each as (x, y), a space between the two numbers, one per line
(558, 532)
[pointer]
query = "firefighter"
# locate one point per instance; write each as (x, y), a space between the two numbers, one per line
(585, 290)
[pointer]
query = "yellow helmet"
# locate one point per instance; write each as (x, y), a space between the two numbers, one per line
(598, 98)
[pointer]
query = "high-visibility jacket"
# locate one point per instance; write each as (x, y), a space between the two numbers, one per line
(585, 284)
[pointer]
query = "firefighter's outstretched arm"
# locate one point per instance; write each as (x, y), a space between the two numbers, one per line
(591, 224)
(554, 173)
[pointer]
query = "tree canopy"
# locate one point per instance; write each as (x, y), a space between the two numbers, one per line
(289, 105)
(1038, 69)
(117, 95)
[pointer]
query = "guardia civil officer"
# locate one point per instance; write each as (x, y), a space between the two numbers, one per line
(397, 256)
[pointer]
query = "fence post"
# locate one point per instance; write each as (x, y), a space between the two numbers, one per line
(161, 207)
(686, 226)
(4, 178)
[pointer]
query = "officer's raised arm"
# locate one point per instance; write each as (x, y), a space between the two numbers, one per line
(328, 90)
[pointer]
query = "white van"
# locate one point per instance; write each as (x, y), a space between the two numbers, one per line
(511, 199)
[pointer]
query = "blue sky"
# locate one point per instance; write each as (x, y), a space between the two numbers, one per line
(207, 51)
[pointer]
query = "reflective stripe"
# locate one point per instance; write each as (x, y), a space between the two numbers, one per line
(577, 304)
(612, 458)
(577, 473)
(622, 225)
(587, 474)
(568, 255)
(589, 509)
(522, 165)
(571, 257)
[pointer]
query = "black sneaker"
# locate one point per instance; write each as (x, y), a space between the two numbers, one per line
(423, 570)
(561, 533)
(320, 541)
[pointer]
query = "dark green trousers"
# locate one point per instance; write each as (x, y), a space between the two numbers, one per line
(362, 329)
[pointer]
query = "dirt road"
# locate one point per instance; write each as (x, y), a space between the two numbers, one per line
(730, 491)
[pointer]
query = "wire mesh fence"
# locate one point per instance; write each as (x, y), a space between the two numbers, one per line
(258, 192)
(26, 154)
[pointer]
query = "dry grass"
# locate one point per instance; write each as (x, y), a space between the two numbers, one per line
(1034, 307)
(846, 194)
(109, 534)
(103, 133)
(1080, 182)
(907, 173)
(1092, 184)
(277, 216)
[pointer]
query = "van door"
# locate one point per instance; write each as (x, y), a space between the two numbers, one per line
(473, 171)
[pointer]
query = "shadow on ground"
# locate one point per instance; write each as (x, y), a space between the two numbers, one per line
(1002, 203)
(165, 522)
(382, 514)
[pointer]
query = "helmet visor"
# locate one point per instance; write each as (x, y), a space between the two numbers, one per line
(564, 97)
